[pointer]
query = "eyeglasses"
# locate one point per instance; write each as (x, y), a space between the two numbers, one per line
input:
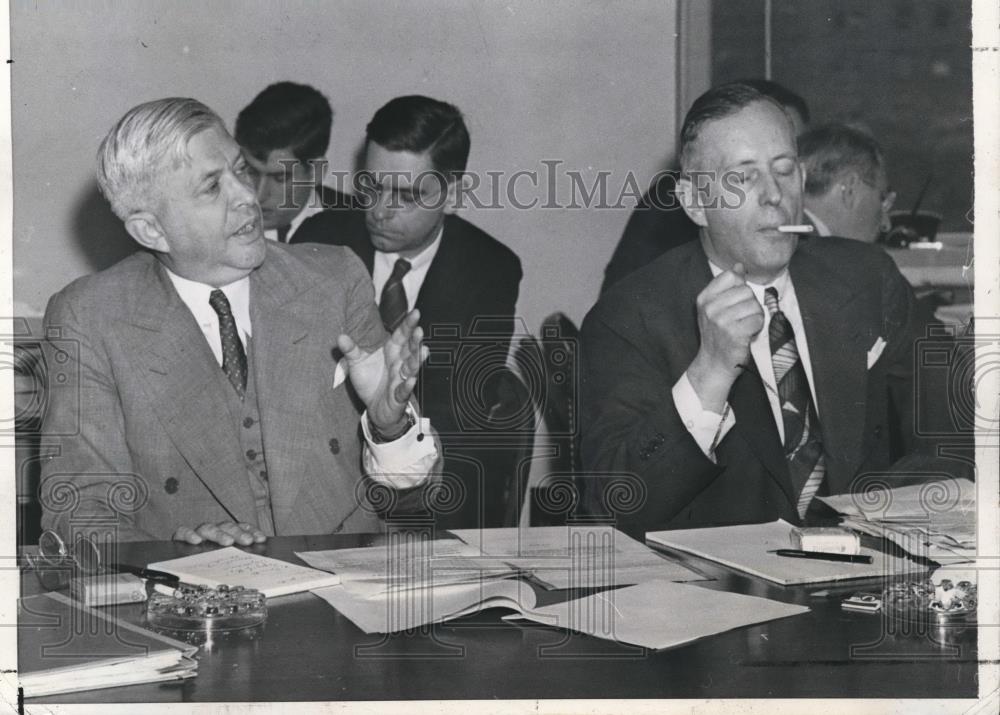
(55, 563)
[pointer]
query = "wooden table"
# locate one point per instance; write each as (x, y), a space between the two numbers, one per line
(309, 651)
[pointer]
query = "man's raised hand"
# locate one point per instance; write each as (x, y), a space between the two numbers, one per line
(729, 317)
(384, 378)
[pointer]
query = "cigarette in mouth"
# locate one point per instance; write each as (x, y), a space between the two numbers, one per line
(796, 228)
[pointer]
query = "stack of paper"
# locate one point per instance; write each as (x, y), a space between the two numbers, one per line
(748, 548)
(576, 556)
(63, 646)
(234, 567)
(933, 519)
(408, 564)
(659, 614)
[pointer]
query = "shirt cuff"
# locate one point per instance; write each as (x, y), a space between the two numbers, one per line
(405, 462)
(707, 427)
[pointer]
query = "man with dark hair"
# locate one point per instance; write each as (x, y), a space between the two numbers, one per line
(285, 132)
(462, 280)
(659, 223)
(740, 375)
(847, 193)
(205, 401)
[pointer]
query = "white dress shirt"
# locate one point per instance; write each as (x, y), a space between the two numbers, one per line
(706, 426)
(414, 278)
(312, 207)
(403, 463)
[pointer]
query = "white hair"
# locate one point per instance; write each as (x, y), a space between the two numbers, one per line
(133, 152)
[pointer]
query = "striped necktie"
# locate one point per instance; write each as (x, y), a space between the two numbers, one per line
(392, 307)
(803, 438)
(234, 358)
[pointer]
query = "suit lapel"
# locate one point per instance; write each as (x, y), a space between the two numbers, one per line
(837, 354)
(182, 379)
(281, 364)
(750, 405)
(444, 283)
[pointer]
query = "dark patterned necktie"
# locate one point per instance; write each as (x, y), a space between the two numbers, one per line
(803, 440)
(392, 307)
(234, 359)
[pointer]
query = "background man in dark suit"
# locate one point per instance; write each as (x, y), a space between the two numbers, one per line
(740, 375)
(847, 191)
(463, 281)
(206, 401)
(285, 132)
(658, 222)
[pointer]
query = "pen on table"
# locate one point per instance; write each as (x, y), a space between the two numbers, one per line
(823, 556)
(152, 575)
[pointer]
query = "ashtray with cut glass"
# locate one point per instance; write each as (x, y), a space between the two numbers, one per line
(199, 609)
(946, 603)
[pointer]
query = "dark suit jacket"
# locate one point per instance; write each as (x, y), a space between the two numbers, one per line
(467, 304)
(642, 335)
(657, 224)
(146, 438)
(470, 289)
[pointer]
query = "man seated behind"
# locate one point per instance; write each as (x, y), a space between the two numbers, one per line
(285, 133)
(206, 402)
(463, 281)
(741, 374)
(847, 192)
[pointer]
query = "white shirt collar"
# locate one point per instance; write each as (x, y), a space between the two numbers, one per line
(195, 296)
(413, 281)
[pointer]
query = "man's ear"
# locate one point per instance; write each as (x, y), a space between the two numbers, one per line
(460, 185)
(849, 189)
(691, 203)
(145, 228)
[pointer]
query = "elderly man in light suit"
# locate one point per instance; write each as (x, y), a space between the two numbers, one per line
(217, 381)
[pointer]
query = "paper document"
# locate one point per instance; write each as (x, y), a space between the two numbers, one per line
(407, 564)
(64, 646)
(576, 556)
(933, 519)
(659, 614)
(745, 548)
(235, 567)
(401, 610)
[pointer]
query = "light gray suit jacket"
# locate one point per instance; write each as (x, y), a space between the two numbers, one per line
(146, 439)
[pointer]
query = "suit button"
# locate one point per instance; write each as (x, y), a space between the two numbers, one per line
(251, 455)
(170, 486)
(248, 422)
(335, 446)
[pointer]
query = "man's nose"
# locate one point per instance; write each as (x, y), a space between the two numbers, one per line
(770, 190)
(381, 209)
(242, 192)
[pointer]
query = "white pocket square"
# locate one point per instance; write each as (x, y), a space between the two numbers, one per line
(875, 352)
(340, 373)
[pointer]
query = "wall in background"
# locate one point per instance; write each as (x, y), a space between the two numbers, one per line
(590, 85)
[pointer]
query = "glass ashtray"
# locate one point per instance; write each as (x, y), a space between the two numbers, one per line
(944, 604)
(203, 609)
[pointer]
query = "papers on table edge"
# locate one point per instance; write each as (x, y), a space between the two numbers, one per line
(746, 548)
(647, 614)
(131, 654)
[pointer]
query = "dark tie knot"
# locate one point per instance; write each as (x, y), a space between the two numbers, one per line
(400, 269)
(220, 304)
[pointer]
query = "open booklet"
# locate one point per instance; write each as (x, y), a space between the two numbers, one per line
(64, 646)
